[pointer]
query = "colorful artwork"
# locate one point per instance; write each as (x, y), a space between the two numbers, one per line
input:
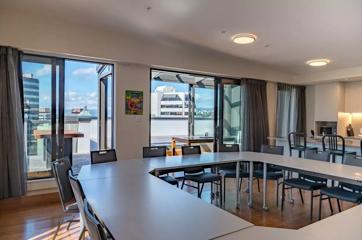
(134, 102)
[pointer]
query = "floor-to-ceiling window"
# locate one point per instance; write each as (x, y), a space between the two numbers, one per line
(68, 110)
(182, 105)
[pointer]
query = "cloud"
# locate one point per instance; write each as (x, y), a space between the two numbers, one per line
(45, 70)
(75, 100)
(87, 72)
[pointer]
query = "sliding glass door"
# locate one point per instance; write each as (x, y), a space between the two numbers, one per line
(68, 106)
(43, 87)
(228, 122)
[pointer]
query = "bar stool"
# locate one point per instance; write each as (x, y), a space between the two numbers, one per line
(334, 148)
(298, 141)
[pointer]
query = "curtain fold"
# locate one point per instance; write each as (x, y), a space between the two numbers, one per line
(255, 126)
(12, 151)
(291, 109)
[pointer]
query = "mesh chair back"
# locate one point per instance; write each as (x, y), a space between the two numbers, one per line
(79, 196)
(150, 152)
(94, 227)
(229, 148)
(60, 170)
(103, 156)
(277, 150)
(314, 155)
(297, 139)
(331, 142)
(189, 150)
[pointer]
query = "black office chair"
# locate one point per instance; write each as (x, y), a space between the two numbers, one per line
(103, 156)
(335, 144)
(306, 182)
(198, 174)
(298, 141)
(229, 170)
(160, 151)
(79, 197)
(95, 228)
(345, 191)
(273, 173)
(61, 168)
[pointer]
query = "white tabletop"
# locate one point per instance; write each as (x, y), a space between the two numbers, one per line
(136, 205)
(342, 226)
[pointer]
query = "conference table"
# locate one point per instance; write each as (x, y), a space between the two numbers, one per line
(134, 204)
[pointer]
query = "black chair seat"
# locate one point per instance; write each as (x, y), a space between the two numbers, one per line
(270, 175)
(352, 187)
(231, 173)
(342, 194)
(304, 184)
(170, 180)
(203, 177)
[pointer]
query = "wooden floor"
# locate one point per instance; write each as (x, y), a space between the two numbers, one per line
(37, 217)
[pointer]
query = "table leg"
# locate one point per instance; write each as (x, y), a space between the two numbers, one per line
(265, 187)
(251, 170)
(237, 185)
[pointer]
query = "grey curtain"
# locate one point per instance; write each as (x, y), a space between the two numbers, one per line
(12, 154)
(255, 127)
(291, 111)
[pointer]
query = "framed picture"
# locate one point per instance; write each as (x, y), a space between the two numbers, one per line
(134, 102)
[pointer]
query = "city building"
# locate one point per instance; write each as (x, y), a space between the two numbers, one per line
(167, 103)
(31, 110)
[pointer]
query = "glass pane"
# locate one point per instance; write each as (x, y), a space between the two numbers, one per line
(169, 111)
(204, 112)
(232, 114)
(37, 105)
(109, 111)
(81, 111)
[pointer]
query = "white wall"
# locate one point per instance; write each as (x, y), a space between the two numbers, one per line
(329, 100)
(353, 97)
(132, 56)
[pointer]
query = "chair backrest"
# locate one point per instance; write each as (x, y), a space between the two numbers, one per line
(60, 169)
(229, 148)
(94, 227)
(103, 156)
(319, 156)
(331, 142)
(297, 139)
(189, 150)
(150, 152)
(79, 196)
(352, 160)
(277, 150)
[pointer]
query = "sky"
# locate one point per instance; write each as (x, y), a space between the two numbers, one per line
(81, 85)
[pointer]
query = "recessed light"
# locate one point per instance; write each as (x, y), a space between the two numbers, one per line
(244, 38)
(318, 62)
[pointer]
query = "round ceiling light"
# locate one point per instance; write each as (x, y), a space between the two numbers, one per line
(318, 62)
(244, 38)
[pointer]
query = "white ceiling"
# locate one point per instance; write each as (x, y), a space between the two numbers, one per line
(289, 31)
